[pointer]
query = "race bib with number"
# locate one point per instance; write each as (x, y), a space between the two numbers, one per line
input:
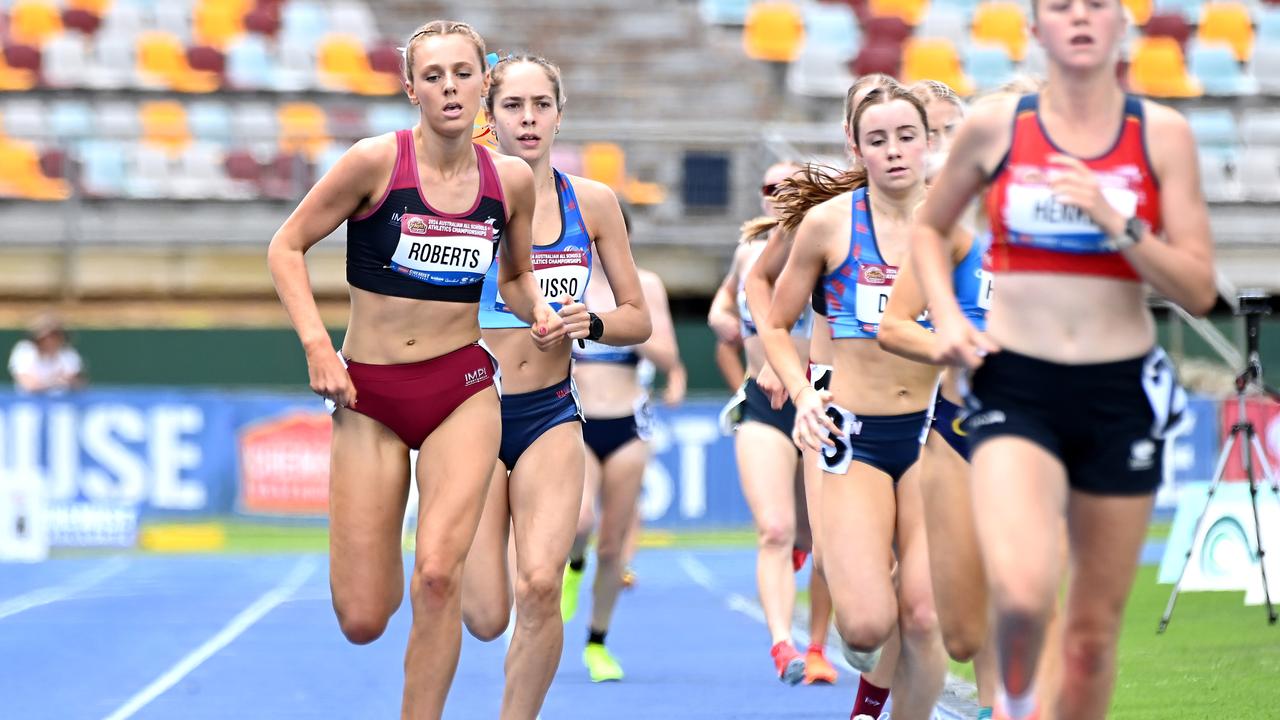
(559, 273)
(1035, 216)
(1167, 398)
(837, 457)
(874, 285)
(443, 251)
(985, 279)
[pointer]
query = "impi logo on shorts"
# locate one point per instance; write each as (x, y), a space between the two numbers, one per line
(478, 375)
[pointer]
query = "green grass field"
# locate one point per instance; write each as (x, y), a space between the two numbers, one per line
(1218, 659)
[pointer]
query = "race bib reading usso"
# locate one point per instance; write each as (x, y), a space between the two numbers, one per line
(443, 251)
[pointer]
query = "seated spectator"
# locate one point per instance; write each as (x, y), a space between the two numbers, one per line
(45, 362)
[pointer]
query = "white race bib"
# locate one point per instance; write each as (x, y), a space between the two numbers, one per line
(985, 279)
(443, 251)
(837, 457)
(1035, 216)
(871, 296)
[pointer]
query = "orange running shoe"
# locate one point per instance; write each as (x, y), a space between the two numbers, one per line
(788, 662)
(817, 669)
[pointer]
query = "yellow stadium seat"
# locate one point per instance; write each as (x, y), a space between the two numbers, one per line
(1139, 10)
(304, 128)
(605, 162)
(1001, 23)
(774, 32)
(218, 23)
(21, 176)
(934, 59)
(911, 11)
(31, 22)
(1158, 69)
(1228, 23)
(644, 193)
(344, 66)
(164, 124)
(162, 63)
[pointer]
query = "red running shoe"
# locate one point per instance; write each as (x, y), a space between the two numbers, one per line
(798, 557)
(790, 664)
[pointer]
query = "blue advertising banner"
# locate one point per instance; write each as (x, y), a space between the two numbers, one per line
(692, 480)
(109, 457)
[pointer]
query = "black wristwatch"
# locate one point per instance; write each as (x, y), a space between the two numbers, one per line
(597, 327)
(1135, 228)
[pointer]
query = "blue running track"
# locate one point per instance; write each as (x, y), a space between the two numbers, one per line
(253, 636)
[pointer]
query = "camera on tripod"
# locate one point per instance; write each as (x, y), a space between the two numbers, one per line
(1252, 302)
(1252, 305)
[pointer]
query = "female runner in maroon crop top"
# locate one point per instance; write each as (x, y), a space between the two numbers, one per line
(426, 211)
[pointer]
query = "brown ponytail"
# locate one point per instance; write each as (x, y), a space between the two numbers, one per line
(756, 227)
(814, 185)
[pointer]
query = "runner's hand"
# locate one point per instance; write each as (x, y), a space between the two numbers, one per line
(772, 386)
(813, 428)
(577, 322)
(548, 327)
(329, 379)
(1075, 184)
(958, 342)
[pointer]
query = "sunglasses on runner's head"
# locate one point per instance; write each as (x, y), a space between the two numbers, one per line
(770, 190)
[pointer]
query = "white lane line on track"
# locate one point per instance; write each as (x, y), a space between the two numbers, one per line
(701, 574)
(54, 593)
(233, 629)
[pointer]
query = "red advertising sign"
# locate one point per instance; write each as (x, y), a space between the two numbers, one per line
(1265, 415)
(284, 465)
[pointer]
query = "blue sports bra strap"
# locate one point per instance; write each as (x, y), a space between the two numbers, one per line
(1028, 102)
(1133, 106)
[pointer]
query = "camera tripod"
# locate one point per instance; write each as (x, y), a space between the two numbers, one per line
(1253, 307)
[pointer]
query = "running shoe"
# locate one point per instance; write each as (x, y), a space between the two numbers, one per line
(601, 664)
(798, 557)
(817, 668)
(863, 662)
(863, 716)
(628, 578)
(569, 592)
(789, 663)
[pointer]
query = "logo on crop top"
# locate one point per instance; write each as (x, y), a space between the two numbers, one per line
(416, 226)
(873, 275)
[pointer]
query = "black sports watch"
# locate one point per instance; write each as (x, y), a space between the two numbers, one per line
(1135, 228)
(597, 327)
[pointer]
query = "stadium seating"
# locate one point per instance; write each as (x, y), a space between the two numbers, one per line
(1266, 68)
(1260, 174)
(989, 66)
(1229, 23)
(773, 32)
(1214, 127)
(1002, 23)
(1215, 66)
(1170, 25)
(32, 22)
(1157, 69)
(1139, 11)
(724, 12)
(934, 59)
(910, 11)
(1220, 175)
